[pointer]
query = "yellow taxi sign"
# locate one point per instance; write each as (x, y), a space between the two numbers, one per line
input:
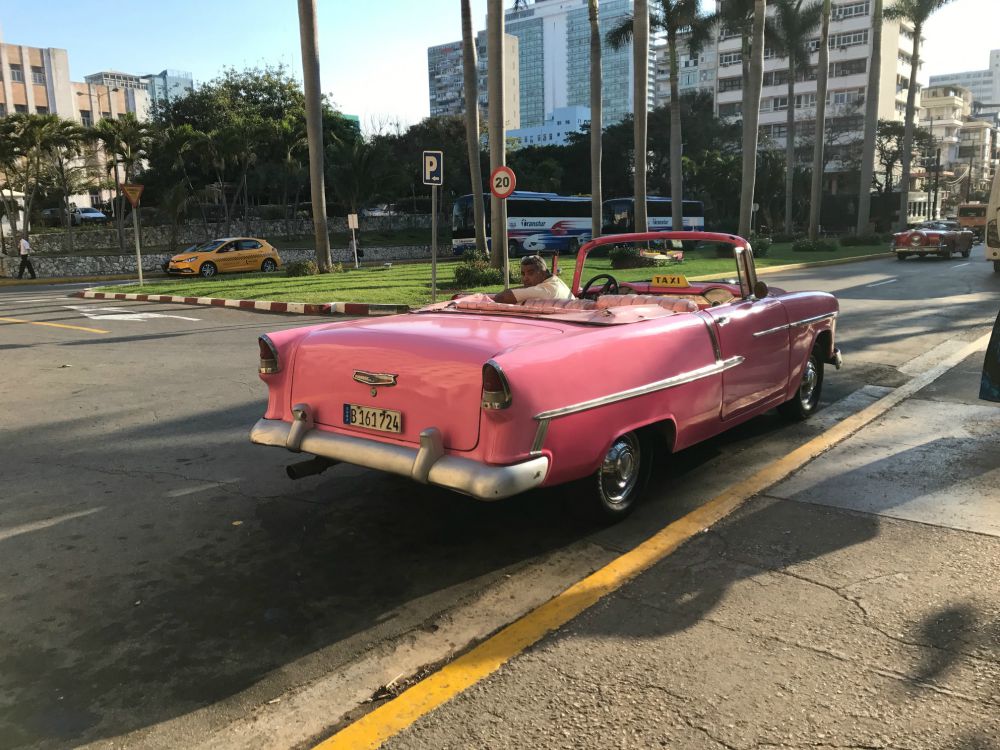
(670, 279)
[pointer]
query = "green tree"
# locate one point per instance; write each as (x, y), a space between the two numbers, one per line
(822, 76)
(916, 13)
(126, 143)
(68, 171)
(794, 22)
(27, 141)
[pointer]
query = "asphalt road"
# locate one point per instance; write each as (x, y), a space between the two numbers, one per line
(165, 581)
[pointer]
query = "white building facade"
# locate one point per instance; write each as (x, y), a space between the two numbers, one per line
(984, 85)
(553, 132)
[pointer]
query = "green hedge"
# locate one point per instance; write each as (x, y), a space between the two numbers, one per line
(813, 246)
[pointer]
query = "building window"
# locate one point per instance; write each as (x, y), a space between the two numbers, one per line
(779, 103)
(16, 73)
(731, 109)
(851, 11)
(86, 119)
(3, 109)
(42, 110)
(105, 115)
(22, 108)
(37, 74)
(849, 39)
(730, 58)
(730, 84)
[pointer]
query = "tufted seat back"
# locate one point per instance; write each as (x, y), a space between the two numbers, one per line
(673, 304)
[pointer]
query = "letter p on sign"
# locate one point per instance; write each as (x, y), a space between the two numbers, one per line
(433, 167)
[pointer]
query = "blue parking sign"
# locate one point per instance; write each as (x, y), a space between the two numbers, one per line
(433, 167)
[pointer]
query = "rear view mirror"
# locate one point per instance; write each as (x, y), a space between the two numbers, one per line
(759, 289)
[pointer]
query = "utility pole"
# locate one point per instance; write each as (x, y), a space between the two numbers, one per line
(498, 147)
(937, 180)
(968, 184)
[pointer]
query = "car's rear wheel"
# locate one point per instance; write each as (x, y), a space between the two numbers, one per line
(208, 270)
(268, 265)
(901, 256)
(806, 399)
(573, 246)
(613, 491)
(513, 248)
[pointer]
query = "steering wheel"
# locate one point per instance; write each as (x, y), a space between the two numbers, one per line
(610, 286)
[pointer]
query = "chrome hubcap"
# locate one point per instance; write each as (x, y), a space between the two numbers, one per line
(809, 380)
(620, 470)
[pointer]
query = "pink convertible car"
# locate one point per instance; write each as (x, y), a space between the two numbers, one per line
(492, 399)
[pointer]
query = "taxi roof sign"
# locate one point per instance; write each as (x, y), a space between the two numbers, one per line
(133, 193)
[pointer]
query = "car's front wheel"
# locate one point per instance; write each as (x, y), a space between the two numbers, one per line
(208, 270)
(268, 265)
(806, 399)
(901, 256)
(612, 493)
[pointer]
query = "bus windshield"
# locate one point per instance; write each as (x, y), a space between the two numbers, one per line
(619, 215)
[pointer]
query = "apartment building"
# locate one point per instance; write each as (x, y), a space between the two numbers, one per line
(696, 72)
(984, 85)
(34, 80)
(446, 80)
(850, 48)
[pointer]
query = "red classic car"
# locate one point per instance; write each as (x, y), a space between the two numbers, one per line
(938, 238)
(460, 394)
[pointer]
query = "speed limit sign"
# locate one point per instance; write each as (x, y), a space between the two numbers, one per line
(502, 182)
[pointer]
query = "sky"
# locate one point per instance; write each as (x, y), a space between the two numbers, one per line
(373, 55)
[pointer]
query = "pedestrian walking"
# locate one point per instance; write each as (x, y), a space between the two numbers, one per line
(25, 258)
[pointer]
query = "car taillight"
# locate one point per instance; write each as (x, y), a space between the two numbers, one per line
(496, 390)
(268, 356)
(916, 239)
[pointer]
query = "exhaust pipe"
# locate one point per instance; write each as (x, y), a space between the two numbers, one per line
(315, 465)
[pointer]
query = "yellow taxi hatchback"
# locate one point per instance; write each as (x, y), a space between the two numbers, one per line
(226, 255)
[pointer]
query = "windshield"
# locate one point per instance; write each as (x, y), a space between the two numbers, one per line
(210, 246)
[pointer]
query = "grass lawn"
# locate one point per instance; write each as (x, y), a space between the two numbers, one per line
(410, 283)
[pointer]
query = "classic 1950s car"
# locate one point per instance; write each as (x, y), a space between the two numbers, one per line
(493, 399)
(939, 238)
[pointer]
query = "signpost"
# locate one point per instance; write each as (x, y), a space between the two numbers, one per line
(134, 194)
(434, 176)
(502, 184)
(352, 224)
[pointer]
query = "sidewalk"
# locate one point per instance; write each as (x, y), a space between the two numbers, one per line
(856, 604)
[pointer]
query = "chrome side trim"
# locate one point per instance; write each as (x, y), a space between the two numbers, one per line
(536, 446)
(642, 390)
(425, 463)
(707, 320)
(814, 319)
(784, 327)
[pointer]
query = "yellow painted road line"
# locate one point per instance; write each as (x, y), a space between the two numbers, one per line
(53, 325)
(391, 718)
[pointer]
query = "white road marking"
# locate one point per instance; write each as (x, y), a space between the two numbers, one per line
(120, 313)
(39, 525)
(16, 300)
(880, 283)
(960, 265)
(201, 488)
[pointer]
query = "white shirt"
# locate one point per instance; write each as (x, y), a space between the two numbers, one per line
(552, 288)
(25, 247)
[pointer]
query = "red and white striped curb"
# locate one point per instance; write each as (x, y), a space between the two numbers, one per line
(301, 308)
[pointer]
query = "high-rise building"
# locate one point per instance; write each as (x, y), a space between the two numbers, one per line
(446, 79)
(553, 63)
(168, 85)
(695, 72)
(850, 48)
(984, 85)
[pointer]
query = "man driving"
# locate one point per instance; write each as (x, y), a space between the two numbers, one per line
(539, 283)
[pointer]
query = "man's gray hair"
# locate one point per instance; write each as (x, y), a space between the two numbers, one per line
(535, 260)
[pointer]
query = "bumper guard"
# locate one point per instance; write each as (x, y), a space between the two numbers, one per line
(428, 464)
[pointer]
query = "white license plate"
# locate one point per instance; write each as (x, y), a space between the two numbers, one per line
(385, 420)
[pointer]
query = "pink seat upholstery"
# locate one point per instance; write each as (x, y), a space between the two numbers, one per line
(559, 304)
(673, 304)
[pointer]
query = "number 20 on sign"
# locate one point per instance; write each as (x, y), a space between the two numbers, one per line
(502, 182)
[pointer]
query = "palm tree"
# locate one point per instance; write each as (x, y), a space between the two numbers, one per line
(871, 121)
(674, 17)
(822, 76)
(472, 126)
(747, 17)
(596, 119)
(69, 173)
(916, 12)
(794, 23)
(28, 140)
(126, 141)
(309, 39)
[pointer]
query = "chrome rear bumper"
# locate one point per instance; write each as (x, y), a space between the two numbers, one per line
(428, 464)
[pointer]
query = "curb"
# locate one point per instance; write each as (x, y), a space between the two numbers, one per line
(300, 308)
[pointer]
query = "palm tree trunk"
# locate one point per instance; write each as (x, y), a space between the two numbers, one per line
(498, 150)
(640, 76)
(309, 40)
(751, 117)
(871, 121)
(907, 153)
(676, 168)
(822, 77)
(596, 119)
(790, 146)
(471, 84)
